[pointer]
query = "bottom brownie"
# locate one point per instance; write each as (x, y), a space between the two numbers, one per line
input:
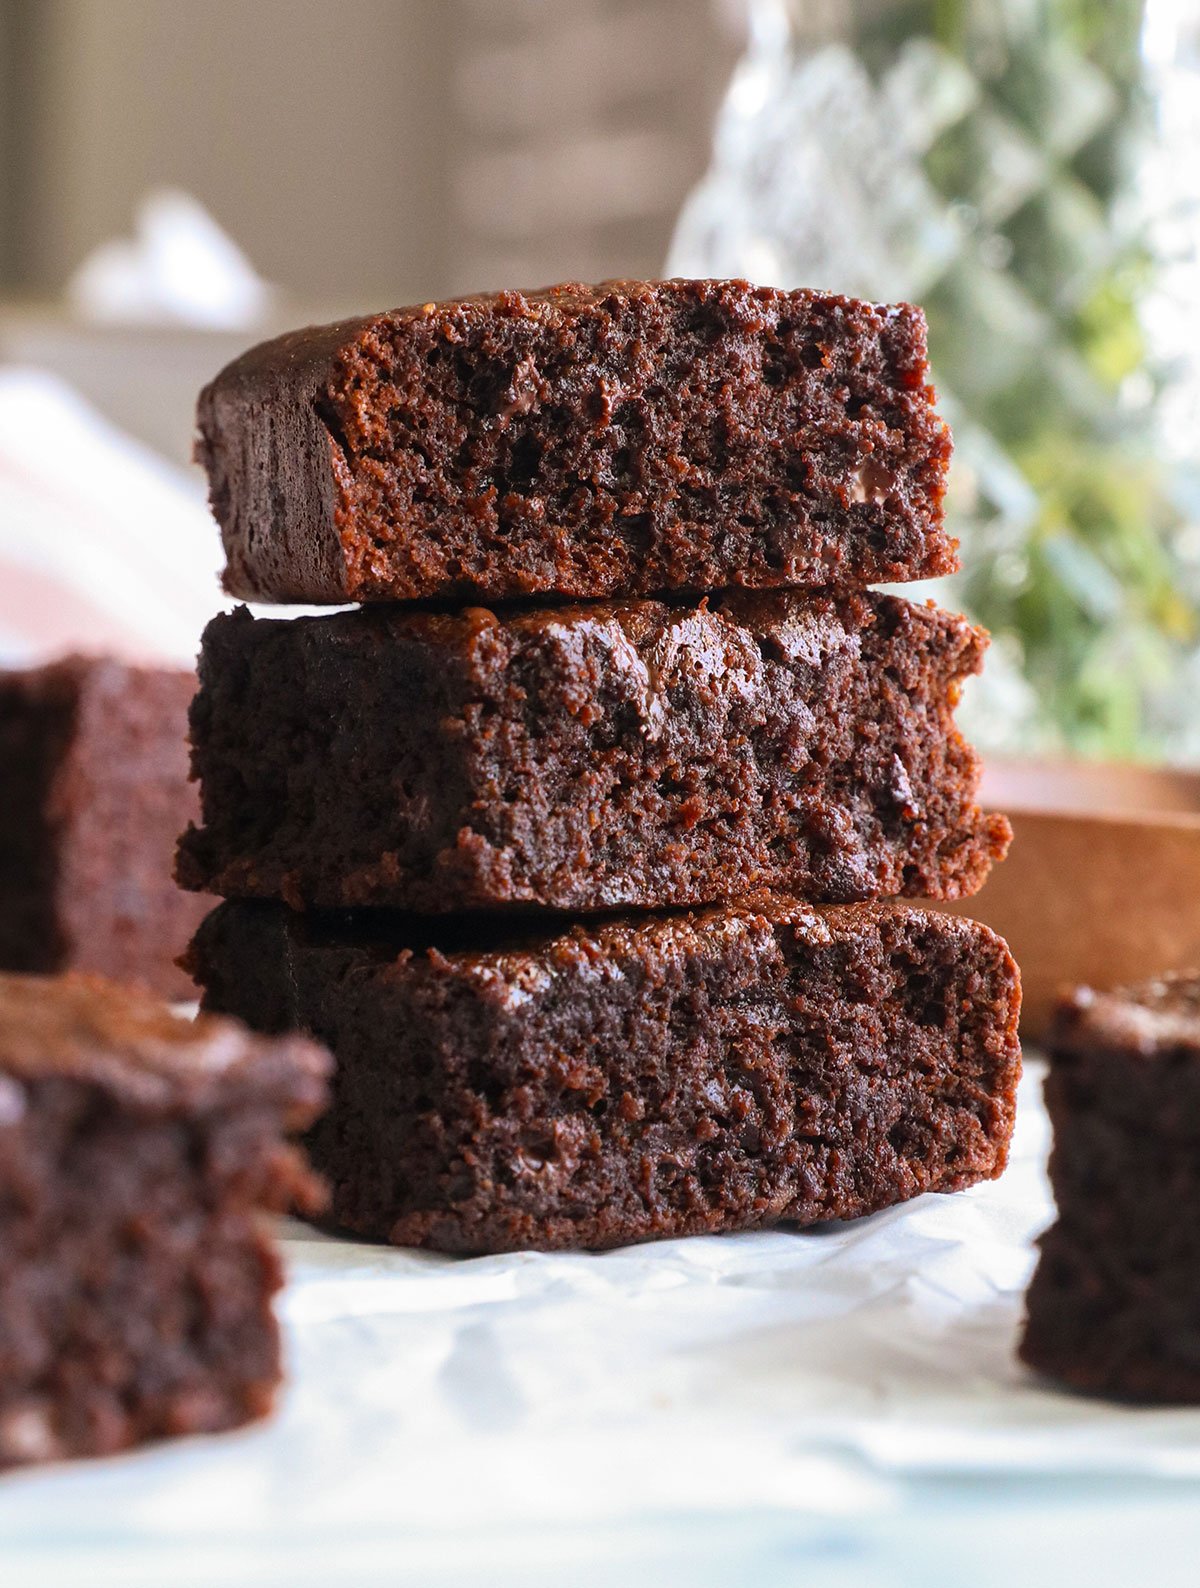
(1114, 1307)
(136, 1151)
(642, 1078)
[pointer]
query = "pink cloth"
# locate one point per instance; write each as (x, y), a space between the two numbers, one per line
(104, 546)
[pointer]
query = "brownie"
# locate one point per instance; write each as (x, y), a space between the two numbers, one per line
(93, 792)
(137, 1151)
(631, 438)
(1114, 1307)
(648, 1077)
(587, 758)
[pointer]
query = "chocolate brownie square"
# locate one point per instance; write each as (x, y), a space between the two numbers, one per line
(637, 1079)
(626, 439)
(137, 1151)
(1114, 1307)
(586, 758)
(93, 792)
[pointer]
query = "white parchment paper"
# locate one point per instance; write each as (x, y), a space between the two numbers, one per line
(804, 1374)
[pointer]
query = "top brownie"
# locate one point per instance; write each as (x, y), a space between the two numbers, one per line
(626, 439)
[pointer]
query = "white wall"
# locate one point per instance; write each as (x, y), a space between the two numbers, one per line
(311, 130)
(375, 151)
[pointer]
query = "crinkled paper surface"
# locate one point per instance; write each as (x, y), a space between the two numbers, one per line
(724, 1409)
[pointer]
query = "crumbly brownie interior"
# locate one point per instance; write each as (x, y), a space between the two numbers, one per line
(625, 439)
(135, 1284)
(135, 1281)
(37, 716)
(1115, 1323)
(128, 793)
(591, 757)
(647, 1078)
(1114, 1307)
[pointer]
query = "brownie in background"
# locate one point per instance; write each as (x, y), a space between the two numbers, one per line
(640, 1079)
(137, 1151)
(93, 794)
(1114, 1306)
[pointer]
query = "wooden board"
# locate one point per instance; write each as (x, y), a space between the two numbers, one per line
(1102, 884)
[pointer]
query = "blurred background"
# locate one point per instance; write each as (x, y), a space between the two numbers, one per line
(179, 180)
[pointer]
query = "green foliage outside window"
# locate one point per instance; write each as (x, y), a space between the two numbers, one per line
(1069, 524)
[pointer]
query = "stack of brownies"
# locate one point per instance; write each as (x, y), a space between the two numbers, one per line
(569, 841)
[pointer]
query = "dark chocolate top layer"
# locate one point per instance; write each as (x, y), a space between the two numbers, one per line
(500, 951)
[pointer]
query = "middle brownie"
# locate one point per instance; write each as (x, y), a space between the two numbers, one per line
(589, 757)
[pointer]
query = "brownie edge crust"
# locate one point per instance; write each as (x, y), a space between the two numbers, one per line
(645, 1078)
(137, 1153)
(625, 439)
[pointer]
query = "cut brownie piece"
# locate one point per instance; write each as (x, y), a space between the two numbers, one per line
(136, 1151)
(626, 439)
(93, 792)
(658, 1076)
(587, 758)
(1114, 1307)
